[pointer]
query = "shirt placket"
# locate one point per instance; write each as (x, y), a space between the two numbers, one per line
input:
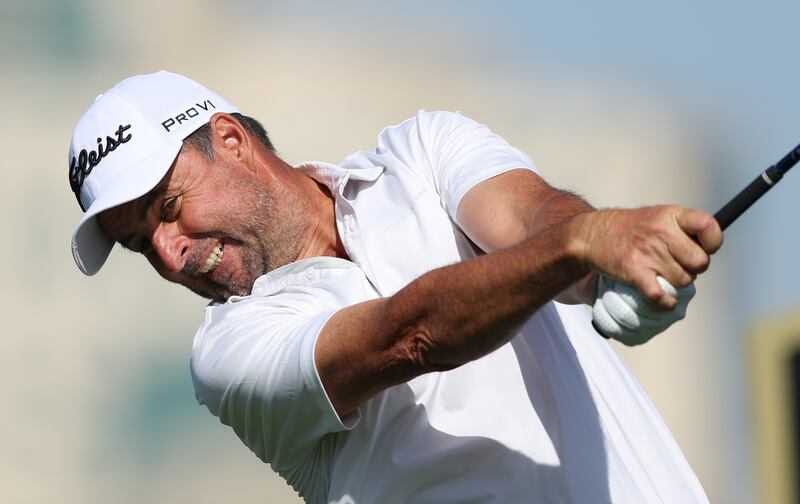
(351, 235)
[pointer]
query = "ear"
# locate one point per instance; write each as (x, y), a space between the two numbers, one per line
(230, 139)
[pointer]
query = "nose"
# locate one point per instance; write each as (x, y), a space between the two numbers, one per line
(171, 246)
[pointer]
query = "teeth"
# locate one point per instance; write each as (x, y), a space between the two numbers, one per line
(213, 259)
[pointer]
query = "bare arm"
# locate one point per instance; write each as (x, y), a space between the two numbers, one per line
(514, 206)
(459, 313)
(434, 324)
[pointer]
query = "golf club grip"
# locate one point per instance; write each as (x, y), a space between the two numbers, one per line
(749, 195)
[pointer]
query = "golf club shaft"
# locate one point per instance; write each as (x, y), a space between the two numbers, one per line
(750, 194)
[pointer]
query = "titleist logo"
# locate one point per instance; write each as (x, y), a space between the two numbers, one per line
(81, 166)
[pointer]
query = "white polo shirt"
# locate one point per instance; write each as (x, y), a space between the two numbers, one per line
(552, 416)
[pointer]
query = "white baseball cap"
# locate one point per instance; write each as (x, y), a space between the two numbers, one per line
(124, 145)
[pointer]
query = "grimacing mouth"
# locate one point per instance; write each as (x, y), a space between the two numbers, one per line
(214, 259)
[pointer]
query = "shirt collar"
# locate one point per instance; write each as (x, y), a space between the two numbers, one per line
(297, 273)
(335, 177)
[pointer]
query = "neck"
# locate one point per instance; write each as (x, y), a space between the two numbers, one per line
(323, 238)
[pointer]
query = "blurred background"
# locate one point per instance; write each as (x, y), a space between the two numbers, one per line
(626, 102)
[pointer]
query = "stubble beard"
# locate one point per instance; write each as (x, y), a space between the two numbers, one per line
(271, 237)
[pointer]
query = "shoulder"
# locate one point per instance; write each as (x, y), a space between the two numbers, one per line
(242, 338)
(282, 298)
(419, 139)
(416, 144)
(423, 126)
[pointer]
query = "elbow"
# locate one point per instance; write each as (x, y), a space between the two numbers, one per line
(420, 351)
(418, 343)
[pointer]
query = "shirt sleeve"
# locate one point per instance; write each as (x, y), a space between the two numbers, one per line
(457, 152)
(256, 372)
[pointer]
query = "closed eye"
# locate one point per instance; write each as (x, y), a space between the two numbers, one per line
(171, 209)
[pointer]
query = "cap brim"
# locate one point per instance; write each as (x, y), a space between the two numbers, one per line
(90, 245)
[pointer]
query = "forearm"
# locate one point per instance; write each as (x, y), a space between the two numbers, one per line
(445, 318)
(456, 314)
(459, 313)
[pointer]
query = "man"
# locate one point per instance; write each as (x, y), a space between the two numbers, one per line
(384, 330)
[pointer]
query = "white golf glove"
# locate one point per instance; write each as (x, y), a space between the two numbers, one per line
(623, 313)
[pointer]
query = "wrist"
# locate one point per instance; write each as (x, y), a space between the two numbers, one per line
(577, 239)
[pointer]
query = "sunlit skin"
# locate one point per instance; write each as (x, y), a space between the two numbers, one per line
(264, 212)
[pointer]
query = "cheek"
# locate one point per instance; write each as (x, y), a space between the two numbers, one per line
(201, 217)
(221, 209)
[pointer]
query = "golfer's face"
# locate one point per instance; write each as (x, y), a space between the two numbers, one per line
(198, 226)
